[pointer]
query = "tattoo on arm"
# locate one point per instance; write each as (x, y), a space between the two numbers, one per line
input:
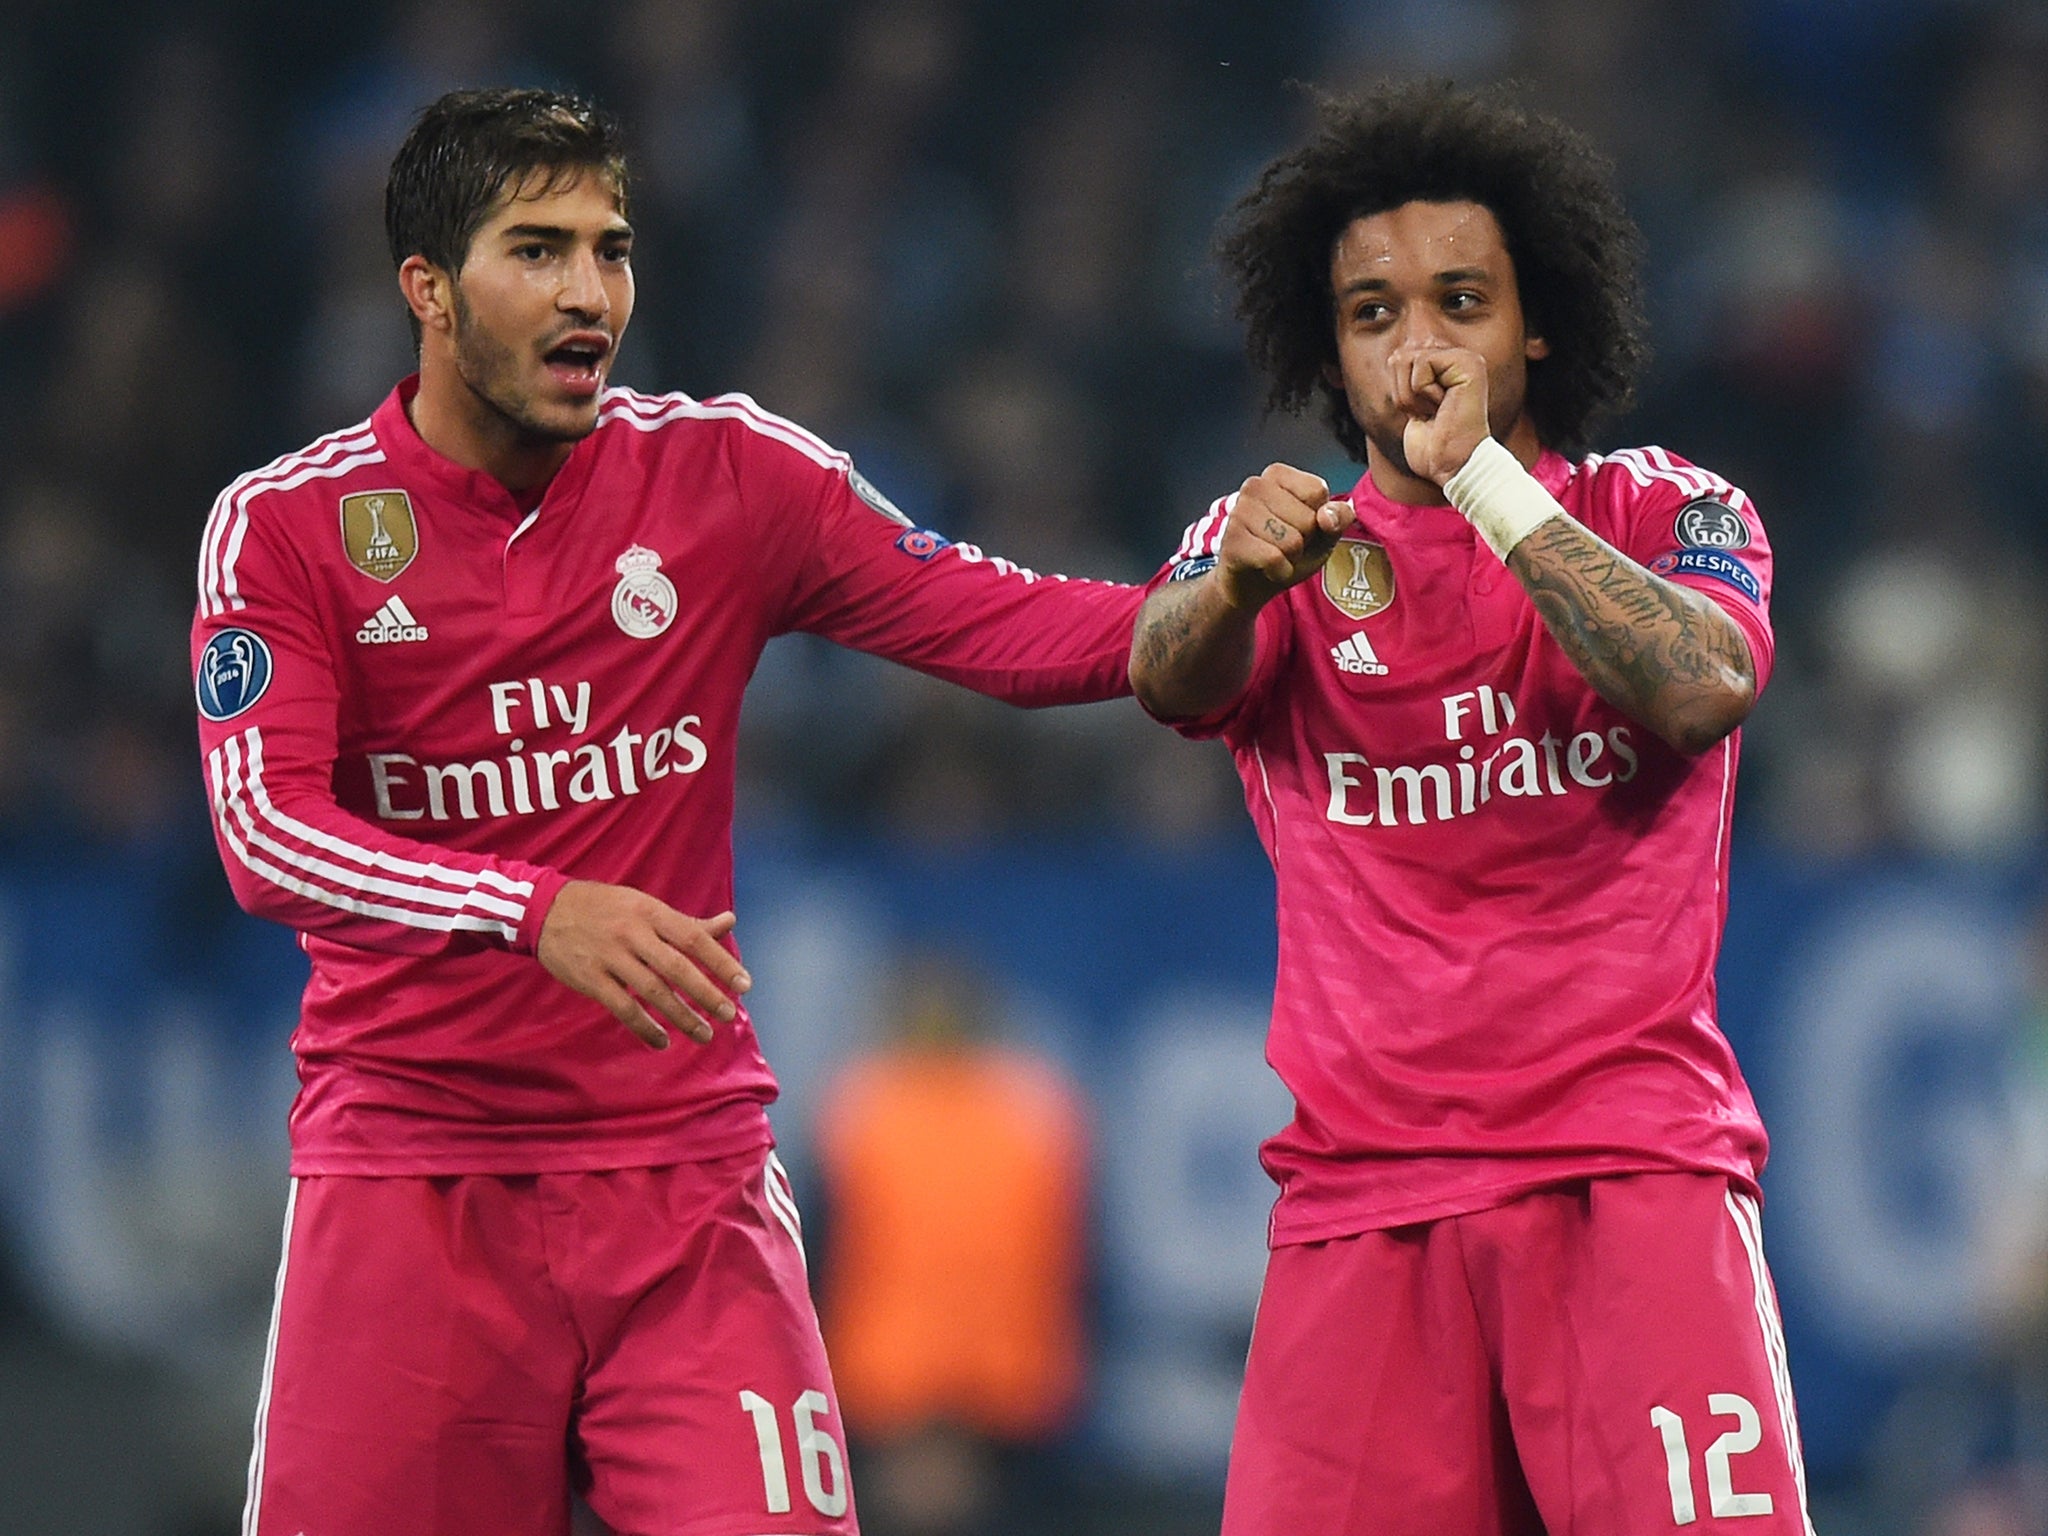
(1191, 652)
(1164, 628)
(1666, 655)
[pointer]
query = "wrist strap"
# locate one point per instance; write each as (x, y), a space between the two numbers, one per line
(1499, 498)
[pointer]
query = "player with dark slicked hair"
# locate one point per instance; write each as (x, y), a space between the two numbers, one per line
(469, 677)
(1486, 709)
(451, 172)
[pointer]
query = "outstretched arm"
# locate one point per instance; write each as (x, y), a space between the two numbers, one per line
(1195, 641)
(1660, 652)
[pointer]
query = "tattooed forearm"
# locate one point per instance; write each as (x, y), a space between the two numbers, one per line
(1164, 630)
(1658, 651)
(1192, 652)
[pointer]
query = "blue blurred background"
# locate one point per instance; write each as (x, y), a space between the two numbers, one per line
(967, 241)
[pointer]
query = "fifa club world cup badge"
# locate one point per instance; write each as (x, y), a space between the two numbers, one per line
(644, 601)
(378, 531)
(1359, 578)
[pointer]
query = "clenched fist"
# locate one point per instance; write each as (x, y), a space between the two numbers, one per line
(1442, 390)
(1280, 531)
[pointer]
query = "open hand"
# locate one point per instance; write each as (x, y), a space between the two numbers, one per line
(647, 963)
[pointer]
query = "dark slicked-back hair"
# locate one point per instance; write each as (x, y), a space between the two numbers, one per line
(470, 147)
(1576, 252)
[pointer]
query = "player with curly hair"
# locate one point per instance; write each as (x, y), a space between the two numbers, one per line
(1486, 709)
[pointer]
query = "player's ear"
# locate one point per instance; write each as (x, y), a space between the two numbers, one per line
(429, 293)
(1535, 348)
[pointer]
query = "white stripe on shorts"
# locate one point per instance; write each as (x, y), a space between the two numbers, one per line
(782, 1203)
(1749, 1225)
(252, 1507)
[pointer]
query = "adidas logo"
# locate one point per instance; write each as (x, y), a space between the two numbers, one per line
(1355, 655)
(390, 624)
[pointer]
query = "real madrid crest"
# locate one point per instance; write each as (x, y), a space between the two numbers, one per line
(378, 531)
(1359, 578)
(644, 601)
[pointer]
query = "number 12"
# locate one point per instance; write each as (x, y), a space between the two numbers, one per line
(1722, 1499)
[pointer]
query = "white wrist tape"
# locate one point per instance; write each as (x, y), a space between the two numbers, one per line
(1499, 498)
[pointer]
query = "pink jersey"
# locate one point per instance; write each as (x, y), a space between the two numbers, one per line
(422, 711)
(1500, 898)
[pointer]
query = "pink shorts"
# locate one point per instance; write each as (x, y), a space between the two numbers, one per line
(1604, 1358)
(451, 1356)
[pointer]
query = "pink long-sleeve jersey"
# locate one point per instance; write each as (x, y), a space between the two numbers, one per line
(1500, 898)
(422, 710)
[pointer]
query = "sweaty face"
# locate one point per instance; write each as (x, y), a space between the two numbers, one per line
(1428, 275)
(540, 304)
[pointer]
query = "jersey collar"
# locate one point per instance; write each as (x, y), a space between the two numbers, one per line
(1379, 513)
(408, 453)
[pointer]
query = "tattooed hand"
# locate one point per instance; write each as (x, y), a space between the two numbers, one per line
(1192, 650)
(1280, 531)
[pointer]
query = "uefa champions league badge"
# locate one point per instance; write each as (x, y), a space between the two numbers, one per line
(644, 601)
(1707, 522)
(234, 671)
(864, 488)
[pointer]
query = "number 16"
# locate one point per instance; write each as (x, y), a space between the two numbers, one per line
(818, 1455)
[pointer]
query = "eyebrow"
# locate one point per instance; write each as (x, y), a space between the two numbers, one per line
(1450, 277)
(560, 232)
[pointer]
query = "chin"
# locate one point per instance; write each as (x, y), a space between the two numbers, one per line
(570, 424)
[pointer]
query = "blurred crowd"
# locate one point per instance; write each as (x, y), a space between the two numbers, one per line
(967, 241)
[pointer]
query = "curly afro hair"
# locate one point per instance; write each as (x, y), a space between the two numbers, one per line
(1577, 253)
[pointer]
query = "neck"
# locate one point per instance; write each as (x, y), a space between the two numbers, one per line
(462, 426)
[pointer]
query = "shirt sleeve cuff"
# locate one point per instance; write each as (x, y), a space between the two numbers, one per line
(546, 886)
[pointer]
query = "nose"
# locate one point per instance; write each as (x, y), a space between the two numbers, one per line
(1419, 328)
(583, 290)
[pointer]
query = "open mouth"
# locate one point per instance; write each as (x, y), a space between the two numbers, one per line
(577, 362)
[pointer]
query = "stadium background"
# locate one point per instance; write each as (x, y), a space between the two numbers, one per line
(966, 240)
